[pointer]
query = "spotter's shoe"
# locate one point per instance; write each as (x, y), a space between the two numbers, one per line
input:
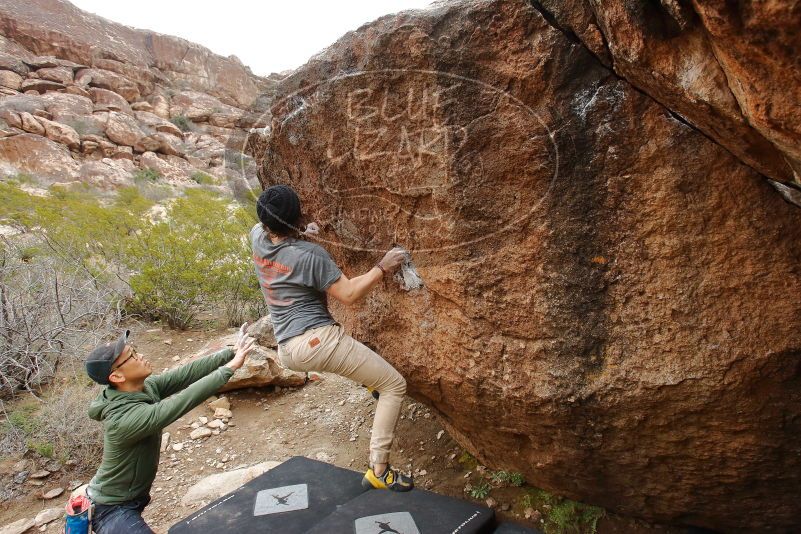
(390, 479)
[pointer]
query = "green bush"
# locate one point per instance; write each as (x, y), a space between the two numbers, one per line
(22, 419)
(44, 449)
(20, 178)
(573, 517)
(204, 179)
(481, 490)
(509, 478)
(468, 461)
(76, 225)
(182, 122)
(563, 516)
(198, 257)
(146, 175)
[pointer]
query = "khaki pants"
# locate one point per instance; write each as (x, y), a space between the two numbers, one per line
(329, 349)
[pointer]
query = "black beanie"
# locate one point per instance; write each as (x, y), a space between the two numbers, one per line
(278, 208)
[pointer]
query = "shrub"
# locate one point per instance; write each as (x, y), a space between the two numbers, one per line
(44, 449)
(22, 419)
(59, 427)
(198, 257)
(182, 122)
(508, 478)
(204, 179)
(21, 178)
(480, 490)
(468, 461)
(59, 282)
(50, 309)
(573, 517)
(146, 175)
(563, 516)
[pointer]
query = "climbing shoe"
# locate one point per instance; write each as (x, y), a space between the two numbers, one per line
(390, 479)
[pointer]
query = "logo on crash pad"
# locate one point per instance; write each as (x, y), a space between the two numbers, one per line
(393, 523)
(283, 499)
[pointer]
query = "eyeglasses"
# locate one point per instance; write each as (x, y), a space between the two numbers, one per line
(133, 355)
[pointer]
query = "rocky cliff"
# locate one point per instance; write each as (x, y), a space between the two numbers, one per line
(86, 99)
(611, 285)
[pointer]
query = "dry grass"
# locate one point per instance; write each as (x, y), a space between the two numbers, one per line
(56, 427)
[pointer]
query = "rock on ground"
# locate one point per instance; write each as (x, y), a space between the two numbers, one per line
(262, 331)
(261, 369)
(215, 486)
(48, 515)
(596, 270)
(18, 527)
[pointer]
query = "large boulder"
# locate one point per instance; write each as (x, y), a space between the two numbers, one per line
(39, 156)
(61, 75)
(158, 123)
(110, 81)
(14, 64)
(40, 86)
(198, 106)
(174, 169)
(31, 123)
(107, 173)
(159, 142)
(27, 103)
(109, 100)
(596, 271)
(124, 129)
(61, 133)
(58, 103)
(10, 80)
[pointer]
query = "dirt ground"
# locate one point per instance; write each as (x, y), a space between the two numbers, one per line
(328, 420)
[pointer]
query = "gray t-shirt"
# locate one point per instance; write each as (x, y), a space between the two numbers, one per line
(293, 275)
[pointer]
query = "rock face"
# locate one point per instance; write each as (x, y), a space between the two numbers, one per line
(596, 270)
(38, 155)
(732, 70)
(132, 92)
(57, 28)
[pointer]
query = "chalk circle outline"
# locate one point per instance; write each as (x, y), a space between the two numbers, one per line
(512, 223)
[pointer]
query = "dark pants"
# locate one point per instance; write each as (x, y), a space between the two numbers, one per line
(125, 518)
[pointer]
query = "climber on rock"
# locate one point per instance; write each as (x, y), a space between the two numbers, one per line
(296, 276)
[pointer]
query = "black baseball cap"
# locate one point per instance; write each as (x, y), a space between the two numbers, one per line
(98, 363)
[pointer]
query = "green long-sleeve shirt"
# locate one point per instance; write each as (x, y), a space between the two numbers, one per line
(132, 424)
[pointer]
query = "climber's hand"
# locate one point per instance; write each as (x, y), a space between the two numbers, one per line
(394, 258)
(312, 229)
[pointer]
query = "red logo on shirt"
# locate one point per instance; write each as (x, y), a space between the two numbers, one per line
(269, 271)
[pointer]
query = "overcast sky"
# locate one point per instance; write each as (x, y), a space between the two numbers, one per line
(267, 36)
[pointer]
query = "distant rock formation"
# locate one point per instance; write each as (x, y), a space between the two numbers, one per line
(95, 101)
(611, 301)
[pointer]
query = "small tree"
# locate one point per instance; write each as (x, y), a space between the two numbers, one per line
(198, 257)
